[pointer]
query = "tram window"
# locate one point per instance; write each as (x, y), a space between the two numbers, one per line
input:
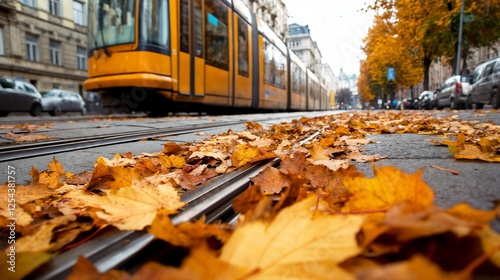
(155, 22)
(216, 34)
(111, 23)
(184, 26)
(299, 79)
(274, 65)
(242, 48)
(198, 28)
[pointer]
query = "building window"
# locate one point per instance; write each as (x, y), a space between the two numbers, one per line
(31, 3)
(54, 7)
(55, 52)
(81, 58)
(32, 47)
(78, 14)
(1, 41)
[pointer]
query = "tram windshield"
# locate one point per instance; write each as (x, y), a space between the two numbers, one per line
(113, 22)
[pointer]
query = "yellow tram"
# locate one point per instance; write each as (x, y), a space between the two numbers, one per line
(158, 55)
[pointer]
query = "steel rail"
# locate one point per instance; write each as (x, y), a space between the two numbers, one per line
(212, 201)
(16, 152)
(114, 248)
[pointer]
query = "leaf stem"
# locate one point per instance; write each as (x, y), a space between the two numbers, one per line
(444, 169)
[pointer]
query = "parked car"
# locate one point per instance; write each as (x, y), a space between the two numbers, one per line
(19, 96)
(454, 93)
(57, 101)
(425, 99)
(486, 84)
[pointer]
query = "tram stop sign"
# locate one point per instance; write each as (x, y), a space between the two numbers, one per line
(391, 74)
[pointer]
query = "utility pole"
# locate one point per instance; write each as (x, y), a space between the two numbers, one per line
(459, 48)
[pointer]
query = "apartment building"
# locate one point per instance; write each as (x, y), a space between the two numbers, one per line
(273, 12)
(44, 42)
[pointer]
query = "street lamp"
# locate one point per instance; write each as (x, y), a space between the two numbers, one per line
(459, 47)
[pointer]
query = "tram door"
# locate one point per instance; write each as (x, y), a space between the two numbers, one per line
(191, 61)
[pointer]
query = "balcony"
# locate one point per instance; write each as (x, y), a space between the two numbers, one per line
(7, 5)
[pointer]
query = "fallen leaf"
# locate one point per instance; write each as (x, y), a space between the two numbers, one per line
(389, 187)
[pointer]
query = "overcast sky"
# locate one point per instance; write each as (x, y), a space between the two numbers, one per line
(337, 26)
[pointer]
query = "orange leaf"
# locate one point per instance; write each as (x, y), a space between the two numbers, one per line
(389, 187)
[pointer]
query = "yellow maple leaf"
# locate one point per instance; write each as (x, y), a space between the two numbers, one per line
(298, 243)
(466, 212)
(24, 263)
(417, 267)
(245, 153)
(41, 239)
(389, 187)
(129, 208)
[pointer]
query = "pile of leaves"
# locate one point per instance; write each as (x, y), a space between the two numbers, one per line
(26, 132)
(313, 217)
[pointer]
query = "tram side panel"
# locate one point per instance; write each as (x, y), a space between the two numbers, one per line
(243, 63)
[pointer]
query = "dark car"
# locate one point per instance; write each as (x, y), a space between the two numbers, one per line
(57, 101)
(424, 100)
(486, 84)
(19, 96)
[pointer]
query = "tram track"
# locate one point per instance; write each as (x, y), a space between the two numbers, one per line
(22, 151)
(114, 249)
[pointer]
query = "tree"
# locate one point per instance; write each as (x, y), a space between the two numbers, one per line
(420, 31)
(366, 92)
(344, 96)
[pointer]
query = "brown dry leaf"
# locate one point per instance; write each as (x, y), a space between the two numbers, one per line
(196, 177)
(252, 200)
(410, 220)
(357, 156)
(85, 270)
(271, 180)
(298, 243)
(293, 165)
(156, 271)
(80, 179)
(254, 126)
(417, 267)
(188, 234)
(318, 153)
(28, 137)
(171, 148)
(389, 187)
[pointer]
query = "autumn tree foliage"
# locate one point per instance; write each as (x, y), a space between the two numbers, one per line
(409, 35)
(366, 93)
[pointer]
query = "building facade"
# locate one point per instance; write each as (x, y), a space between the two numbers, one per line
(299, 41)
(273, 12)
(44, 42)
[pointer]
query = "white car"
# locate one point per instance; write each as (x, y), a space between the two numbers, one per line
(454, 93)
(58, 101)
